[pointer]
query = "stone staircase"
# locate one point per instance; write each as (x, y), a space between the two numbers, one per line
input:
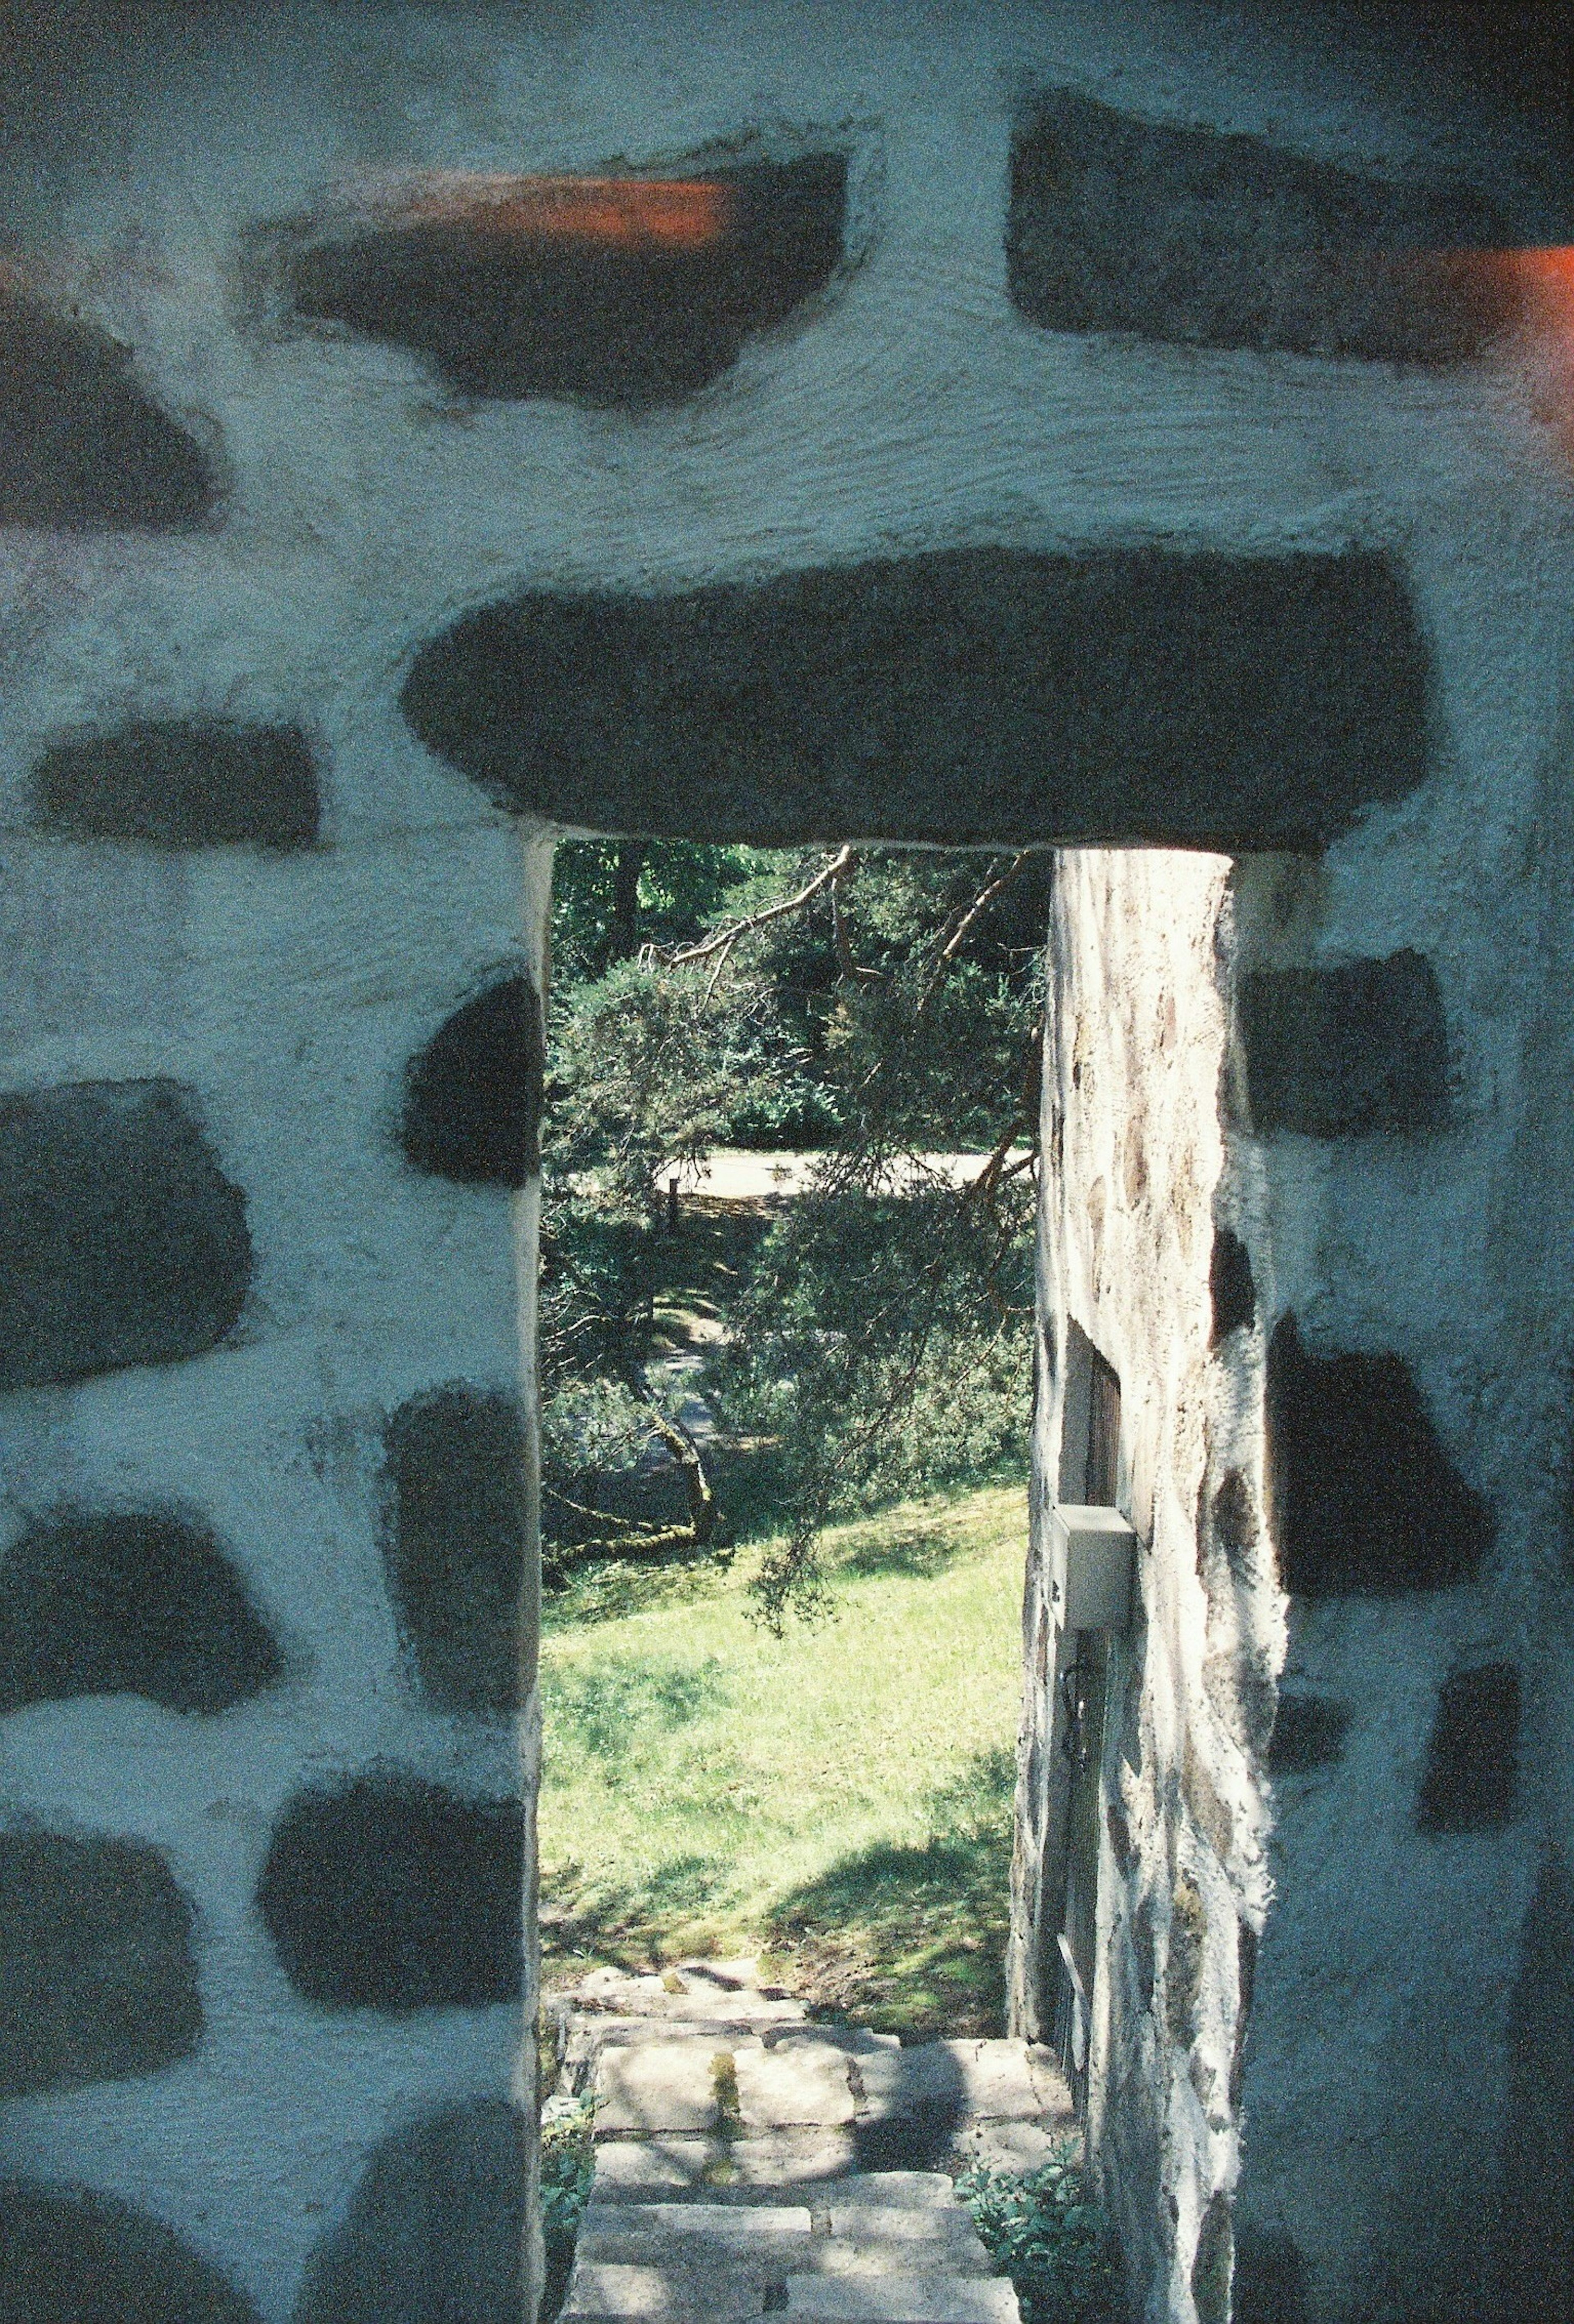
(749, 2163)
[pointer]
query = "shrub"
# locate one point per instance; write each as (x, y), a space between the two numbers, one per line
(1045, 2231)
(567, 2166)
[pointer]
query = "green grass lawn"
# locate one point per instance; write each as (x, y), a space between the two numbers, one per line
(839, 1799)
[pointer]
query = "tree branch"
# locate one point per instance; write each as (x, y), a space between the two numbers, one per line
(724, 941)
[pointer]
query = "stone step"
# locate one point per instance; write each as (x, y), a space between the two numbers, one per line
(693, 2286)
(675, 2167)
(753, 2223)
(919, 2296)
(603, 2293)
(897, 2227)
(909, 2189)
(624, 2234)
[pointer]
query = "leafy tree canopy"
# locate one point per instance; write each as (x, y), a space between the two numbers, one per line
(879, 1006)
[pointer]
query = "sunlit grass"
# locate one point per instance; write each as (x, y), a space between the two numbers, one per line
(840, 1798)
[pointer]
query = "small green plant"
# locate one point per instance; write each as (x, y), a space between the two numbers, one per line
(567, 2166)
(1045, 2231)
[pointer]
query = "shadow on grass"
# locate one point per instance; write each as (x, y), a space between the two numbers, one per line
(912, 1940)
(609, 1713)
(656, 1919)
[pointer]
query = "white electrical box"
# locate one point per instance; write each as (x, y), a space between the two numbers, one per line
(1094, 1567)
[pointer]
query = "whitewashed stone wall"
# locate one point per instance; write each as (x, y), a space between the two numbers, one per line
(930, 553)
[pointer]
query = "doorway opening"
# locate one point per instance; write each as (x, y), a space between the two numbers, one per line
(790, 1179)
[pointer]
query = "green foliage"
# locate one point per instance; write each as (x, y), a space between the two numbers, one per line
(885, 1342)
(1046, 2232)
(880, 1340)
(840, 1799)
(680, 887)
(567, 2166)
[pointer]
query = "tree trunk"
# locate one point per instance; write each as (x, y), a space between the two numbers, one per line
(623, 941)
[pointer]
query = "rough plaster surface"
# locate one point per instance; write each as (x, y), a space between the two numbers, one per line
(213, 514)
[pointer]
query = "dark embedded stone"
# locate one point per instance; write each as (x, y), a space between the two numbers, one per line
(83, 446)
(473, 1097)
(1308, 1732)
(97, 1974)
(128, 1601)
(1222, 241)
(435, 2233)
(1536, 2210)
(1346, 1051)
(1142, 1954)
(394, 1894)
(1194, 700)
(454, 1541)
(67, 2257)
(182, 782)
(1230, 1287)
(508, 299)
(1364, 1497)
(1270, 2280)
(1234, 1522)
(1211, 2260)
(1245, 1993)
(121, 1239)
(1472, 1770)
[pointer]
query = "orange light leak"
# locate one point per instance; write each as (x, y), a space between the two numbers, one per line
(609, 213)
(1534, 289)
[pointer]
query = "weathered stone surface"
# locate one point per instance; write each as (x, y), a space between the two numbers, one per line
(1211, 240)
(128, 1601)
(435, 2232)
(394, 1894)
(1184, 1963)
(1211, 2260)
(915, 2296)
(721, 2170)
(182, 782)
(1346, 1051)
(1471, 1782)
(1308, 1732)
(606, 2225)
(790, 2085)
(979, 694)
(473, 1097)
(98, 1978)
(67, 2257)
(614, 292)
(659, 2086)
(121, 1239)
(1365, 1497)
(990, 2079)
(83, 446)
(1231, 1290)
(454, 1541)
